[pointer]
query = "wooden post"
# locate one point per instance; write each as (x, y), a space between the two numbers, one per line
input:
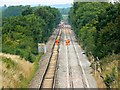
(95, 68)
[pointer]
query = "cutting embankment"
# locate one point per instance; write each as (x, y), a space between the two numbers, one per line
(15, 71)
(20, 37)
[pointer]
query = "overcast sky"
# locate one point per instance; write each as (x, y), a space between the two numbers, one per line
(34, 2)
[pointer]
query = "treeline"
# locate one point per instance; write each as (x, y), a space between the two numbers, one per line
(21, 34)
(97, 27)
(64, 11)
(12, 10)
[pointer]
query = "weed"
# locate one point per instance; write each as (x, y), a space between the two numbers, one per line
(9, 63)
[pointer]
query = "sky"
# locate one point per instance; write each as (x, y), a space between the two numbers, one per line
(34, 2)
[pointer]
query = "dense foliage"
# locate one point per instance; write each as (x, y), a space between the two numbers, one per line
(21, 34)
(12, 10)
(97, 27)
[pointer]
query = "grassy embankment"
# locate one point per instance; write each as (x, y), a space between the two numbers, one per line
(16, 71)
(107, 71)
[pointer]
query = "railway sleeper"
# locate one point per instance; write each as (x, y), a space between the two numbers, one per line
(55, 52)
(52, 71)
(53, 58)
(47, 83)
(53, 63)
(49, 75)
(55, 49)
(51, 67)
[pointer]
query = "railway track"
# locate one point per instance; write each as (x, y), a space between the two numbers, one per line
(49, 74)
(84, 79)
(48, 80)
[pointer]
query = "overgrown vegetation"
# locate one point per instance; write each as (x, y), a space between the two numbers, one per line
(22, 33)
(97, 28)
(109, 66)
(25, 82)
(16, 71)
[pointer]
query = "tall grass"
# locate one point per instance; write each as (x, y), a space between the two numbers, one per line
(17, 72)
(25, 82)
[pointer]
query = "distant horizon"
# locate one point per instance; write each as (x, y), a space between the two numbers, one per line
(34, 2)
(39, 4)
